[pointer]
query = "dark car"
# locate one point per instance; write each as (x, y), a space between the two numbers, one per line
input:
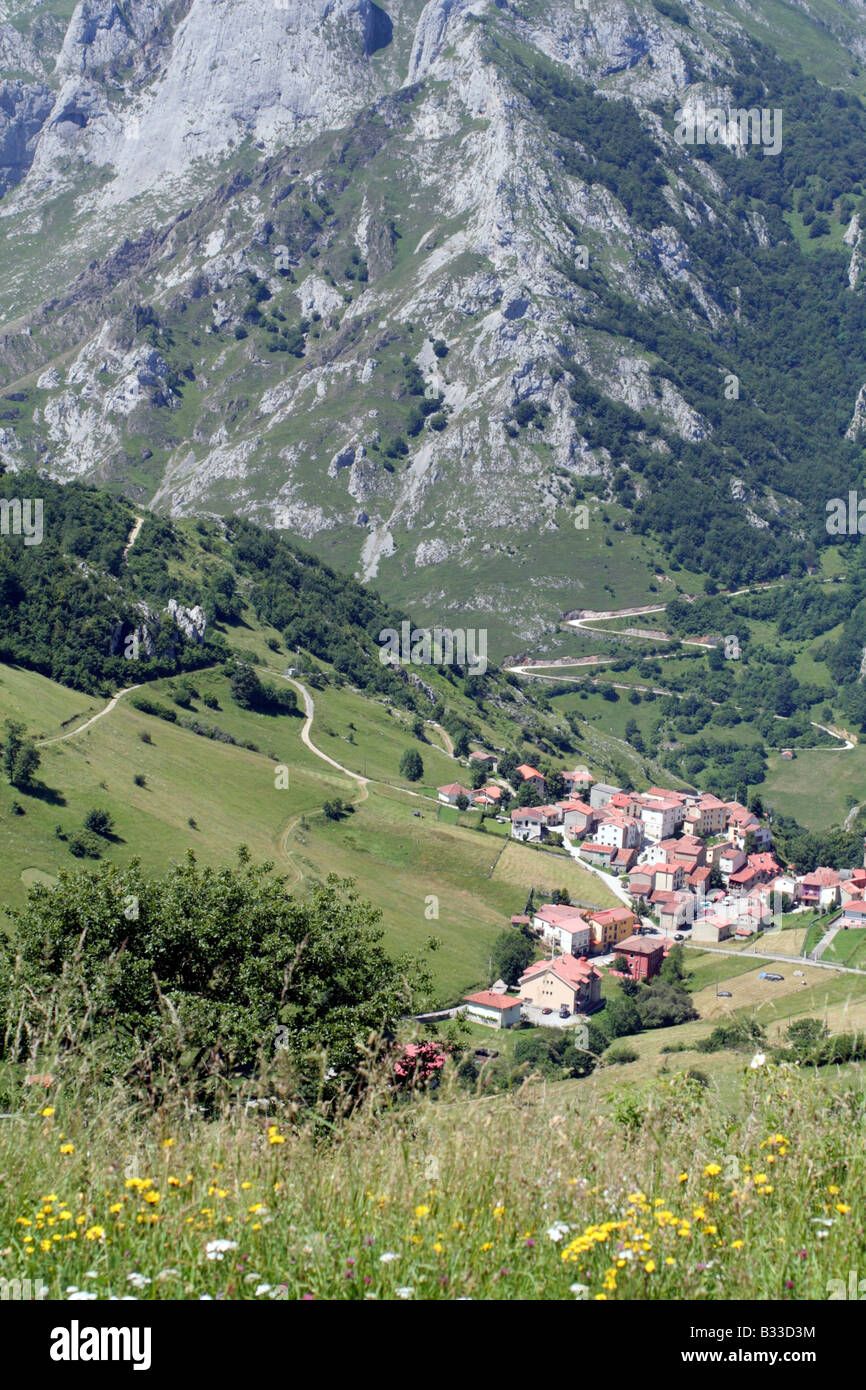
(564, 1011)
(769, 975)
(724, 994)
(678, 936)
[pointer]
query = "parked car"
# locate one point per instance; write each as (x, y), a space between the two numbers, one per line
(678, 936)
(547, 1011)
(724, 994)
(769, 975)
(564, 1011)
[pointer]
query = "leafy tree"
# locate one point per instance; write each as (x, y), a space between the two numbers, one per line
(462, 802)
(673, 966)
(461, 745)
(202, 975)
(20, 755)
(663, 1004)
(511, 954)
(527, 795)
(411, 765)
(99, 821)
(247, 689)
(621, 1016)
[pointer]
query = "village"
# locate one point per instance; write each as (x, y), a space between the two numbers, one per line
(686, 867)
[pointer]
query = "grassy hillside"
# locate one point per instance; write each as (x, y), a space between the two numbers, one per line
(209, 796)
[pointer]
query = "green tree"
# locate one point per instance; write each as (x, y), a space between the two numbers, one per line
(673, 966)
(511, 954)
(411, 765)
(20, 755)
(99, 821)
(194, 972)
(247, 689)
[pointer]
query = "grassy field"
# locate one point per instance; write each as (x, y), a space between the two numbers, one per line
(637, 1183)
(819, 786)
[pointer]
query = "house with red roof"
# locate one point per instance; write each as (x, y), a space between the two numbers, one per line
(854, 913)
(742, 822)
(564, 927)
(673, 908)
(565, 980)
(496, 1010)
(577, 817)
(698, 881)
(602, 856)
(610, 926)
(489, 761)
(533, 777)
(853, 887)
(580, 780)
(821, 888)
(642, 879)
(644, 955)
(730, 859)
(527, 823)
(661, 816)
(765, 865)
(706, 816)
(449, 794)
(687, 848)
(712, 928)
(613, 828)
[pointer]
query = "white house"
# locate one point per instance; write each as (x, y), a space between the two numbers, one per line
(661, 818)
(564, 927)
(448, 795)
(622, 831)
(496, 1010)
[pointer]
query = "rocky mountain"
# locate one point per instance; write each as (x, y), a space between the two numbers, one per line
(443, 290)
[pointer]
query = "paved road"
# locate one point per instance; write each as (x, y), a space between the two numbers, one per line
(765, 955)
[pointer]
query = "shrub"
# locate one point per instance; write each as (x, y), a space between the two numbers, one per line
(411, 765)
(621, 1053)
(99, 821)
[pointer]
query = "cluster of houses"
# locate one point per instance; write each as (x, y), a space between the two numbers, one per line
(691, 862)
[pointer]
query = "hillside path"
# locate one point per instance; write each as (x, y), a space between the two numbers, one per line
(59, 738)
(133, 537)
(310, 710)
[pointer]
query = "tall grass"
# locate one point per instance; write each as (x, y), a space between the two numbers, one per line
(654, 1193)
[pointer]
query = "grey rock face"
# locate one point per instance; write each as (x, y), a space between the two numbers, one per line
(23, 112)
(190, 621)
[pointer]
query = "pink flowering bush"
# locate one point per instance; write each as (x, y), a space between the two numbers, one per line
(418, 1064)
